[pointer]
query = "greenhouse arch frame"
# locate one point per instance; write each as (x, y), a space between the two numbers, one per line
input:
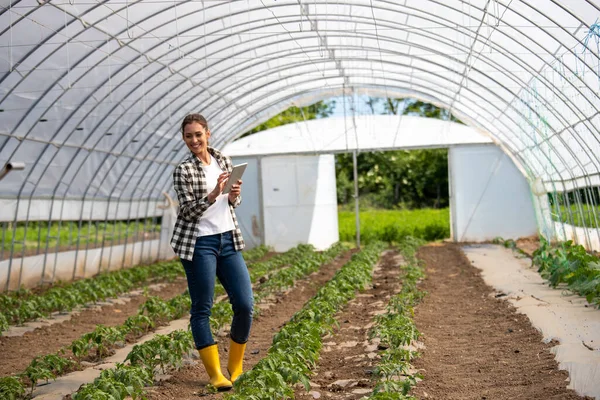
(92, 92)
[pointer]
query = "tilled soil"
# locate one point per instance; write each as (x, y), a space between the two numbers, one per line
(477, 346)
(347, 356)
(189, 382)
(18, 351)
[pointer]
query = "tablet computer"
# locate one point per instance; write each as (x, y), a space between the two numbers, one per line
(236, 174)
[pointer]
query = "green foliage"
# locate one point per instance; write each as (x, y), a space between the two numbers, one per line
(68, 233)
(56, 363)
(161, 351)
(407, 106)
(573, 207)
(167, 350)
(156, 308)
(129, 380)
(570, 264)
(395, 225)
(578, 215)
(149, 314)
(131, 376)
(396, 329)
(138, 324)
(390, 395)
(11, 388)
(36, 371)
(118, 383)
(3, 323)
(221, 313)
(255, 253)
(293, 114)
(99, 340)
(22, 306)
(399, 178)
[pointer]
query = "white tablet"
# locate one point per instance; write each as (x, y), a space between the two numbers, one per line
(236, 174)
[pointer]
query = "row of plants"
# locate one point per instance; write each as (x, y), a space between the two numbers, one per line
(128, 380)
(302, 260)
(95, 345)
(99, 343)
(125, 380)
(255, 253)
(565, 264)
(571, 265)
(396, 330)
(296, 348)
(394, 225)
(285, 279)
(17, 310)
(25, 305)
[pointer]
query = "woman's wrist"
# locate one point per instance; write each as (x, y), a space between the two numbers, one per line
(211, 197)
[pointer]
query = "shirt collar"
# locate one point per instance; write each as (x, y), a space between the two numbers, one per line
(213, 152)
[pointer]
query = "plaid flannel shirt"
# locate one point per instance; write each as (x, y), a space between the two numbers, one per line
(192, 192)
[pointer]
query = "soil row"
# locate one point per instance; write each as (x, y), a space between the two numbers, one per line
(476, 346)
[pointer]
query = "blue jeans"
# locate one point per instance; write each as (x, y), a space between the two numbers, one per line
(215, 255)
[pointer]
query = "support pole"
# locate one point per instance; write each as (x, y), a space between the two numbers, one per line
(356, 213)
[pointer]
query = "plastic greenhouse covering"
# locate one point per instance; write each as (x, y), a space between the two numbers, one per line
(92, 92)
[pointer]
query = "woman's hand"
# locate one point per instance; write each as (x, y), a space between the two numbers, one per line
(221, 180)
(235, 191)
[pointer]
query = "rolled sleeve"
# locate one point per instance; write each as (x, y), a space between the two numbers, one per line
(237, 201)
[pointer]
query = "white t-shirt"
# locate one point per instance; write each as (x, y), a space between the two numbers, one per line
(217, 218)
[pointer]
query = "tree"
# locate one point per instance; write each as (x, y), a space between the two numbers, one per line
(321, 109)
(411, 179)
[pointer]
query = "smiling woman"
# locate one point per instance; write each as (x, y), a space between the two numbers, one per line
(208, 241)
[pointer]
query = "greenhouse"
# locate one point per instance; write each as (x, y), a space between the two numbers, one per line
(421, 198)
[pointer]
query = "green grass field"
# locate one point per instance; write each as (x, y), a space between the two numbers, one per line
(386, 225)
(393, 225)
(589, 219)
(69, 233)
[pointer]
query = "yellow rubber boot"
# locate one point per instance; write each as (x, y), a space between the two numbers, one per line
(210, 359)
(236, 358)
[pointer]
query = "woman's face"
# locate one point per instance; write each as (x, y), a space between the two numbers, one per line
(196, 137)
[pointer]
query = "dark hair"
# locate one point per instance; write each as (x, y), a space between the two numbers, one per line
(194, 118)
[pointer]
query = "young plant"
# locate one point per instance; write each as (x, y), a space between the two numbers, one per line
(36, 371)
(137, 324)
(57, 364)
(11, 388)
(101, 339)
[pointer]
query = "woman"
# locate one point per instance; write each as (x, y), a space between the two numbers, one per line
(208, 241)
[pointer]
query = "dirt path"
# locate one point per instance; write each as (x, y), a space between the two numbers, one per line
(477, 346)
(189, 383)
(347, 356)
(18, 351)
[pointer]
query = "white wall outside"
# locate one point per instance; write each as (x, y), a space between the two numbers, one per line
(299, 201)
(489, 196)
